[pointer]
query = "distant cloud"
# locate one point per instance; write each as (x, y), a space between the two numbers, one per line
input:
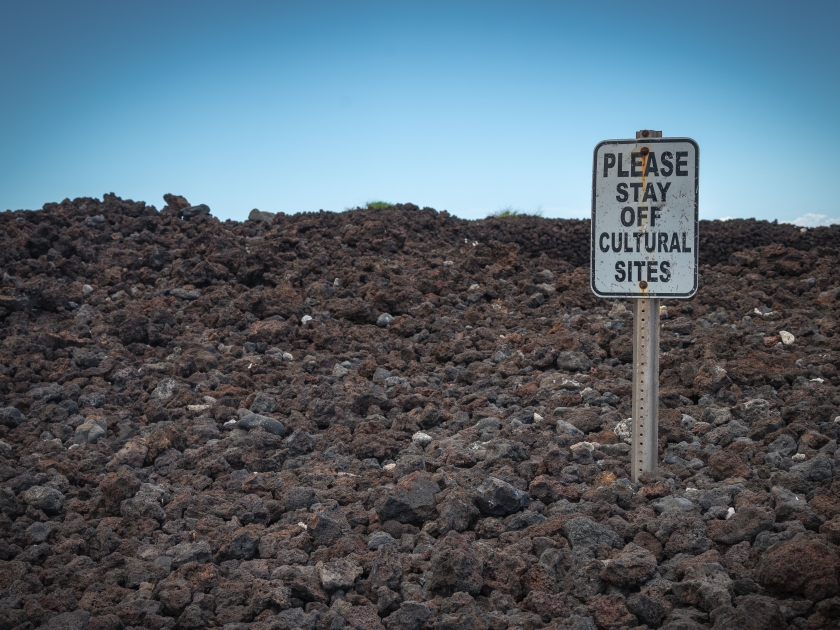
(727, 218)
(815, 220)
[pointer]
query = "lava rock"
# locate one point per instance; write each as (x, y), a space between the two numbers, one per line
(255, 421)
(412, 500)
(744, 525)
(455, 567)
(587, 536)
(498, 498)
(808, 568)
(43, 498)
(11, 417)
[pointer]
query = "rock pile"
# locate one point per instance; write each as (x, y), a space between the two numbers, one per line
(397, 419)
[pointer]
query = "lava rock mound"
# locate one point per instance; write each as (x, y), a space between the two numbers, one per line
(397, 419)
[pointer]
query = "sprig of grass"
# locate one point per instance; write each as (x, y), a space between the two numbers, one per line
(378, 205)
(510, 211)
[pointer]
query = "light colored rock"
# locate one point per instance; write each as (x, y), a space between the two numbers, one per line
(422, 439)
(383, 320)
(165, 389)
(90, 432)
(44, 498)
(624, 430)
(787, 338)
(132, 454)
(340, 574)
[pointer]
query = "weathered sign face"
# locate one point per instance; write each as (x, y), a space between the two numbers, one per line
(644, 218)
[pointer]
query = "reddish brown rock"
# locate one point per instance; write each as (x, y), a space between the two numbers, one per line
(724, 464)
(744, 525)
(808, 568)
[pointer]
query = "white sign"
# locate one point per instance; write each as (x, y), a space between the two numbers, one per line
(644, 218)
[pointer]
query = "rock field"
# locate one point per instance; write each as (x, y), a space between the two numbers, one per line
(399, 419)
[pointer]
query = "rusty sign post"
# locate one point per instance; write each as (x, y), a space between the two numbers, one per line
(644, 246)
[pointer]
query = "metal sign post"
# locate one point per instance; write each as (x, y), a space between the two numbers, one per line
(643, 453)
(644, 246)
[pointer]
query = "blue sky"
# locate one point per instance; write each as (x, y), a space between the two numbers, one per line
(463, 106)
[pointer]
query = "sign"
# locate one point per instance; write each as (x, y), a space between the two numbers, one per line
(644, 218)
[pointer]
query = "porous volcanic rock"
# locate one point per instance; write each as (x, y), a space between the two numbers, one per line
(394, 418)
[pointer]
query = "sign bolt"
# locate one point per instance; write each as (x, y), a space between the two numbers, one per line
(644, 151)
(645, 133)
(643, 284)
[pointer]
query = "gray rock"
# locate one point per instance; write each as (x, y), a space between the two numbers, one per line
(571, 361)
(298, 498)
(44, 498)
(647, 609)
(47, 393)
(11, 417)
(194, 211)
(566, 427)
(576, 622)
(76, 620)
(668, 504)
(785, 445)
(498, 498)
(754, 612)
(291, 619)
(455, 566)
(717, 416)
(92, 399)
(39, 532)
(752, 410)
(705, 585)
(254, 420)
(410, 616)
(243, 545)
(340, 574)
(523, 520)
(299, 442)
(586, 535)
(89, 432)
(185, 552)
(380, 538)
(165, 389)
(328, 524)
(630, 569)
(457, 511)
(260, 215)
(380, 374)
(506, 450)
(383, 320)
(146, 503)
(787, 504)
(412, 500)
(386, 569)
(86, 358)
(816, 469)
(582, 578)
(184, 294)
(264, 403)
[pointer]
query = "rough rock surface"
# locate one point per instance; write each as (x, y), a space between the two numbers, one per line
(398, 419)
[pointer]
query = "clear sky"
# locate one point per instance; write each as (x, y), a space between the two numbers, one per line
(464, 106)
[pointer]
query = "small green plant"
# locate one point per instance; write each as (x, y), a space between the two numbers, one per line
(378, 205)
(510, 211)
(507, 211)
